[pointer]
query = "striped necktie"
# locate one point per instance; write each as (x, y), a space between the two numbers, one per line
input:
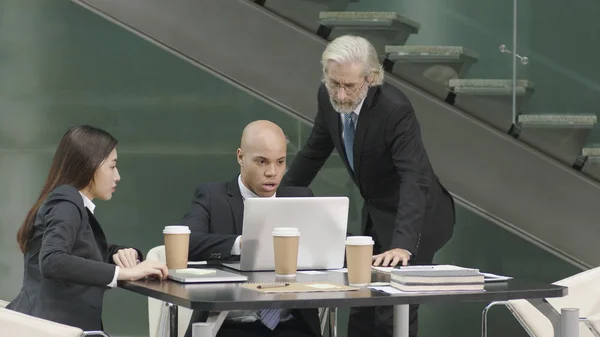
(270, 317)
(349, 132)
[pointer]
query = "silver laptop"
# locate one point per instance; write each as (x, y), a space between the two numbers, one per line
(197, 275)
(322, 222)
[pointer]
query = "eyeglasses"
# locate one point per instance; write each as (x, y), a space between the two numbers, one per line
(348, 88)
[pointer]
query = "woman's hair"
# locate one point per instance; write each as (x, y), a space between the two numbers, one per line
(79, 154)
(350, 48)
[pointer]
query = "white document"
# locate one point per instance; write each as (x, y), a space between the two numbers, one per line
(311, 272)
(196, 263)
(386, 270)
(388, 290)
(489, 277)
(378, 284)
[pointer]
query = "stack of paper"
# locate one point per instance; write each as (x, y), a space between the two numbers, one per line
(436, 278)
(489, 277)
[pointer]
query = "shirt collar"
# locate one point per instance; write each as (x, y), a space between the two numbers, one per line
(246, 193)
(88, 203)
(357, 110)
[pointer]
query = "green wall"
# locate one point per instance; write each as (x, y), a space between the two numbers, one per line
(61, 65)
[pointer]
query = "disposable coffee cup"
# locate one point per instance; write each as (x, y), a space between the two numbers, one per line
(177, 242)
(359, 257)
(285, 250)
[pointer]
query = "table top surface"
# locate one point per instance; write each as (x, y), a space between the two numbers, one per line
(232, 296)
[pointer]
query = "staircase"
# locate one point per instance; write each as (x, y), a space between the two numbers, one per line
(524, 176)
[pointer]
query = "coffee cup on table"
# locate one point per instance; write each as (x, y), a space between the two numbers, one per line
(359, 258)
(285, 250)
(177, 241)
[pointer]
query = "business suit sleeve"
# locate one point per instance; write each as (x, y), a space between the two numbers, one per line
(411, 162)
(313, 155)
(63, 222)
(113, 249)
(205, 245)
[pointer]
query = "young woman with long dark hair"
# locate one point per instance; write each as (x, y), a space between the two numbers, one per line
(68, 262)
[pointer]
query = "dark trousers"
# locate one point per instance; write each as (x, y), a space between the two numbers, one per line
(292, 328)
(379, 321)
(256, 329)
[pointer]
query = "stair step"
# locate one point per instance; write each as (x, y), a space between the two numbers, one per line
(430, 54)
(380, 28)
(558, 120)
(592, 150)
(494, 87)
(368, 20)
(429, 67)
(304, 13)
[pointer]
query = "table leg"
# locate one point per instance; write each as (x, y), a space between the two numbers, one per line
(323, 319)
(173, 320)
(211, 327)
(565, 323)
(333, 322)
(401, 320)
(569, 322)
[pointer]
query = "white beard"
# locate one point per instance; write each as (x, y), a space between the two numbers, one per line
(348, 107)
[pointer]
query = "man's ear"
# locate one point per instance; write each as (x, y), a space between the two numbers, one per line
(371, 78)
(240, 156)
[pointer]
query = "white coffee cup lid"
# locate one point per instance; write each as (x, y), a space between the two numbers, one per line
(359, 240)
(286, 231)
(177, 230)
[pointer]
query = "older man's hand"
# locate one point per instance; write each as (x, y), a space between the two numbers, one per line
(392, 258)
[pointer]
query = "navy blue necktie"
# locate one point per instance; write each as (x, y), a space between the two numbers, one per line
(349, 132)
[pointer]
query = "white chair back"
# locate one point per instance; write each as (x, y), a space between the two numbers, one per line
(158, 319)
(595, 321)
(584, 294)
(16, 324)
(3, 304)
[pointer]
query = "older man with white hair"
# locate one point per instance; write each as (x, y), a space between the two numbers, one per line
(373, 126)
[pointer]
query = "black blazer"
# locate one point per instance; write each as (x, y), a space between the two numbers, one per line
(215, 219)
(403, 197)
(68, 264)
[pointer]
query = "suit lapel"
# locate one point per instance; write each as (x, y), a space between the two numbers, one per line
(237, 204)
(336, 123)
(98, 235)
(364, 118)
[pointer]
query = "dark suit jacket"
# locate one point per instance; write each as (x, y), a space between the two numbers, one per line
(67, 267)
(404, 201)
(215, 219)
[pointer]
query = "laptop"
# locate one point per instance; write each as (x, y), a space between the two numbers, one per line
(201, 275)
(322, 222)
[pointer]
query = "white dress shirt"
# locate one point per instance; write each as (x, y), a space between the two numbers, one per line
(248, 316)
(90, 205)
(246, 194)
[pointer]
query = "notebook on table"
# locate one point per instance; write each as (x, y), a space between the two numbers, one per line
(488, 277)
